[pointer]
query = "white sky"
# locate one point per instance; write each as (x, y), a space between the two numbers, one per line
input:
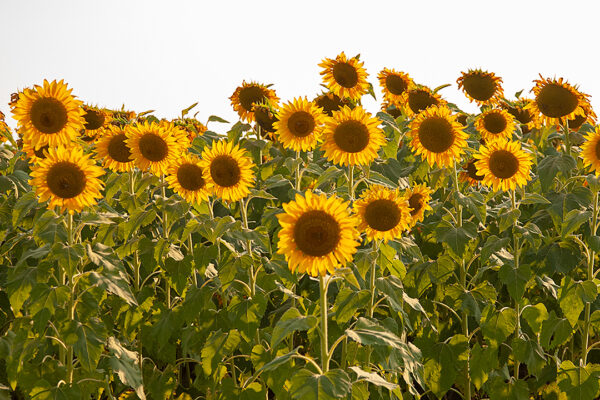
(166, 55)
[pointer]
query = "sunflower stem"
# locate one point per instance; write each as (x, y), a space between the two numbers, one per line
(258, 135)
(372, 287)
(165, 221)
(590, 276)
(513, 200)
(565, 126)
(71, 309)
(244, 212)
(297, 171)
(351, 182)
(323, 305)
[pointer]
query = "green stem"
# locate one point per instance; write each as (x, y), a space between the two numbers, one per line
(324, 310)
(372, 287)
(244, 212)
(590, 276)
(165, 221)
(351, 182)
(566, 132)
(71, 286)
(297, 171)
(513, 199)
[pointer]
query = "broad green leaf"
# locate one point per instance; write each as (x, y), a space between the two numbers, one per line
(492, 245)
(291, 321)
(347, 303)
(571, 299)
(483, 360)
(515, 279)
(214, 118)
(555, 331)
(23, 206)
(245, 314)
(580, 383)
(534, 198)
(218, 345)
(535, 315)
(511, 390)
(68, 256)
(125, 363)
(457, 237)
(373, 378)
(442, 367)
(138, 219)
(551, 164)
(573, 220)
(49, 297)
(333, 384)
(529, 352)
(87, 341)
(498, 325)
(508, 219)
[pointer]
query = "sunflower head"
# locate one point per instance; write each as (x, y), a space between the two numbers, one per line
(331, 102)
(588, 116)
(437, 137)
(68, 178)
(590, 150)
(317, 234)
(556, 99)
(470, 174)
(391, 109)
(265, 117)
(346, 77)
(300, 124)
(418, 197)
(523, 114)
(153, 146)
(503, 164)
(245, 96)
(419, 98)
(352, 137)
(113, 150)
(192, 127)
(49, 114)
(495, 124)
(187, 177)
(480, 86)
(394, 85)
(229, 171)
(383, 214)
(95, 118)
(34, 155)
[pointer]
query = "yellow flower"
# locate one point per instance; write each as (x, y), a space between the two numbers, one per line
(188, 179)
(228, 170)
(470, 173)
(331, 102)
(300, 125)
(68, 178)
(419, 98)
(588, 116)
(523, 114)
(48, 114)
(247, 95)
(112, 149)
(266, 117)
(317, 234)
(503, 164)
(418, 197)
(153, 146)
(590, 150)
(345, 77)
(481, 86)
(495, 124)
(555, 99)
(394, 85)
(352, 137)
(34, 155)
(95, 119)
(383, 214)
(437, 136)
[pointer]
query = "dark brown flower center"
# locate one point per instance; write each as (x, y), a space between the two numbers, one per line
(225, 171)
(393, 111)
(345, 75)
(382, 214)
(48, 115)
(462, 119)
(189, 177)
(316, 233)
(419, 100)
(556, 101)
(118, 149)
(153, 147)
(503, 164)
(494, 122)
(329, 102)
(351, 136)
(472, 171)
(576, 122)
(435, 134)
(93, 119)
(301, 124)
(40, 152)
(479, 86)
(251, 95)
(395, 84)
(416, 203)
(65, 180)
(265, 119)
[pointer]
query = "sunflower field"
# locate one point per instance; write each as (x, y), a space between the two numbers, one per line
(312, 250)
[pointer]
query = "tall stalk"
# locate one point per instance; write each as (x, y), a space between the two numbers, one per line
(324, 309)
(351, 182)
(372, 283)
(565, 126)
(297, 182)
(516, 251)
(244, 212)
(165, 223)
(590, 276)
(71, 286)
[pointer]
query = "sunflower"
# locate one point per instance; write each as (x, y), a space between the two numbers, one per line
(420, 98)
(345, 77)
(555, 99)
(153, 146)
(179, 132)
(418, 197)
(34, 155)
(462, 119)
(588, 116)
(4, 129)
(437, 136)
(300, 125)
(523, 114)
(383, 214)
(504, 165)
(331, 102)
(470, 173)
(68, 178)
(247, 95)
(188, 179)
(391, 109)
(192, 127)
(590, 150)
(352, 137)
(394, 85)
(229, 170)
(113, 150)
(317, 234)
(265, 117)
(95, 118)
(495, 124)
(480, 86)
(49, 114)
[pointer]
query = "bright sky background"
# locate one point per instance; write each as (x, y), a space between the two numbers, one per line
(166, 55)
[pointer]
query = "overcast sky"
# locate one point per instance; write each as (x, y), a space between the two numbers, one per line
(166, 55)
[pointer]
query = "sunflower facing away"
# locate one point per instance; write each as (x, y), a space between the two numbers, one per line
(420, 98)
(394, 85)
(49, 114)
(590, 150)
(470, 173)
(495, 124)
(34, 155)
(503, 164)
(418, 197)
(352, 137)
(228, 170)
(555, 99)
(480, 86)
(188, 179)
(317, 234)
(112, 149)
(68, 178)
(588, 116)
(247, 95)
(345, 77)
(331, 102)
(153, 146)
(383, 214)
(300, 125)
(265, 117)
(391, 109)
(437, 137)
(523, 114)
(95, 119)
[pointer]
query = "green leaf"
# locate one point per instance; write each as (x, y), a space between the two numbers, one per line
(529, 352)
(23, 206)
(581, 383)
(214, 118)
(573, 220)
(125, 363)
(497, 326)
(492, 245)
(535, 315)
(291, 321)
(218, 345)
(594, 243)
(373, 378)
(440, 370)
(515, 279)
(68, 257)
(88, 343)
(347, 302)
(570, 299)
(534, 198)
(111, 276)
(483, 360)
(511, 390)
(138, 219)
(49, 297)
(508, 219)
(178, 272)
(245, 315)
(456, 237)
(49, 228)
(550, 165)
(333, 384)
(555, 331)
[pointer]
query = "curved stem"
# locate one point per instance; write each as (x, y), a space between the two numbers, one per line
(324, 309)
